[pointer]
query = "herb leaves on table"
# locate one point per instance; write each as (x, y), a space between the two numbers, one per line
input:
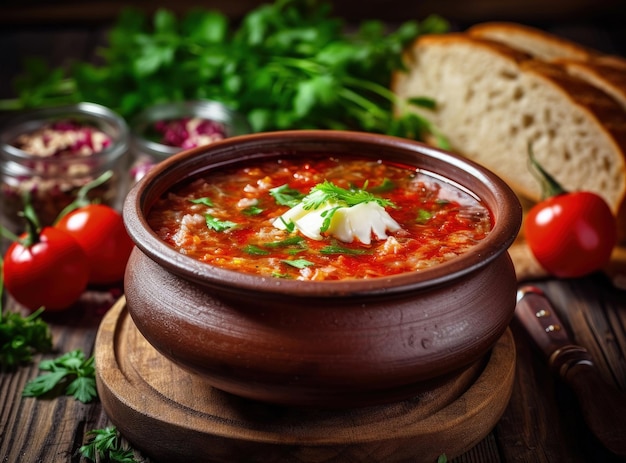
(72, 372)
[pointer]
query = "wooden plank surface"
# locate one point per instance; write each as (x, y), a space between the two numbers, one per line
(542, 422)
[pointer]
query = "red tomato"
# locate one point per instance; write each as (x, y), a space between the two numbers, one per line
(51, 273)
(100, 231)
(571, 234)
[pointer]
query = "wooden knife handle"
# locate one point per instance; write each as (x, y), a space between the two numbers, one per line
(602, 405)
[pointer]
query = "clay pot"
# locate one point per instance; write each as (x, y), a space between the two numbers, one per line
(324, 344)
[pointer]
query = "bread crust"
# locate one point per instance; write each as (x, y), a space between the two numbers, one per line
(533, 41)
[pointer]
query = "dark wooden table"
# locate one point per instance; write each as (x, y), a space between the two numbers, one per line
(542, 422)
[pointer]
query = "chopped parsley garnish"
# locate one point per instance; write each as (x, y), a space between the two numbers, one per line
(423, 216)
(217, 224)
(255, 250)
(336, 249)
(284, 195)
(298, 263)
(252, 210)
(384, 187)
(328, 191)
(204, 201)
(291, 241)
(328, 216)
(289, 226)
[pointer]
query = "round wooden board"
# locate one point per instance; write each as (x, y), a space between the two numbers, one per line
(174, 416)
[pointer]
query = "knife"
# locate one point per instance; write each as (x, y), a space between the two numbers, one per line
(602, 405)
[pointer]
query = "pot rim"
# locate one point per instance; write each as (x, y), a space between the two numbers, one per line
(492, 190)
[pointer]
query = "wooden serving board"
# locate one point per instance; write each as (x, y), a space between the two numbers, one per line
(175, 416)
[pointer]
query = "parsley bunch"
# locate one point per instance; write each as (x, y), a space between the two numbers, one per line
(71, 371)
(288, 65)
(21, 337)
(105, 446)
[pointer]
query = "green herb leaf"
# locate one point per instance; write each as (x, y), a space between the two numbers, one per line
(298, 263)
(423, 216)
(337, 249)
(328, 217)
(328, 191)
(105, 446)
(217, 224)
(204, 201)
(71, 371)
(386, 186)
(286, 196)
(291, 241)
(22, 337)
(255, 250)
(252, 210)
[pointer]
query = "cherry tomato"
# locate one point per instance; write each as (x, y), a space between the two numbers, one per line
(100, 231)
(571, 234)
(52, 272)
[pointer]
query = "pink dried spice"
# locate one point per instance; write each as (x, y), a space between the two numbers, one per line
(63, 138)
(189, 132)
(52, 185)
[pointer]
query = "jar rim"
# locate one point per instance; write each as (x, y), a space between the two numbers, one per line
(31, 120)
(235, 123)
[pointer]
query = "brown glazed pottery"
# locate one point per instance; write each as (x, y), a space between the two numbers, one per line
(323, 344)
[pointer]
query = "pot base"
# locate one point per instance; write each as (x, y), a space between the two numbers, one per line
(172, 415)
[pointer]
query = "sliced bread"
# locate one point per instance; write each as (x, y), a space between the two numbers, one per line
(531, 40)
(493, 101)
(606, 72)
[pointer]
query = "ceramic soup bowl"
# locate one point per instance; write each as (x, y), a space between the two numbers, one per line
(344, 343)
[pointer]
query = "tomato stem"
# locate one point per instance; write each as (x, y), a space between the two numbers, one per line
(82, 198)
(33, 227)
(549, 186)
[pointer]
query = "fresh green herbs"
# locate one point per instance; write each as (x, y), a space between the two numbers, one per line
(21, 337)
(204, 201)
(287, 65)
(423, 216)
(252, 210)
(72, 372)
(386, 186)
(284, 195)
(337, 249)
(298, 263)
(291, 241)
(255, 250)
(105, 446)
(326, 192)
(217, 224)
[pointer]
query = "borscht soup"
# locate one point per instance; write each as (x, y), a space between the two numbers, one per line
(320, 218)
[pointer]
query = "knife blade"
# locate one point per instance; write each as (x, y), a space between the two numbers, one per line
(603, 406)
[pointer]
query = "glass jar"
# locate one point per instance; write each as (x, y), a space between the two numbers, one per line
(51, 153)
(162, 130)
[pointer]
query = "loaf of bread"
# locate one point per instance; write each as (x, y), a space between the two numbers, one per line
(493, 100)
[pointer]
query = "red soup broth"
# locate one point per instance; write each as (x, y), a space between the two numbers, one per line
(226, 219)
